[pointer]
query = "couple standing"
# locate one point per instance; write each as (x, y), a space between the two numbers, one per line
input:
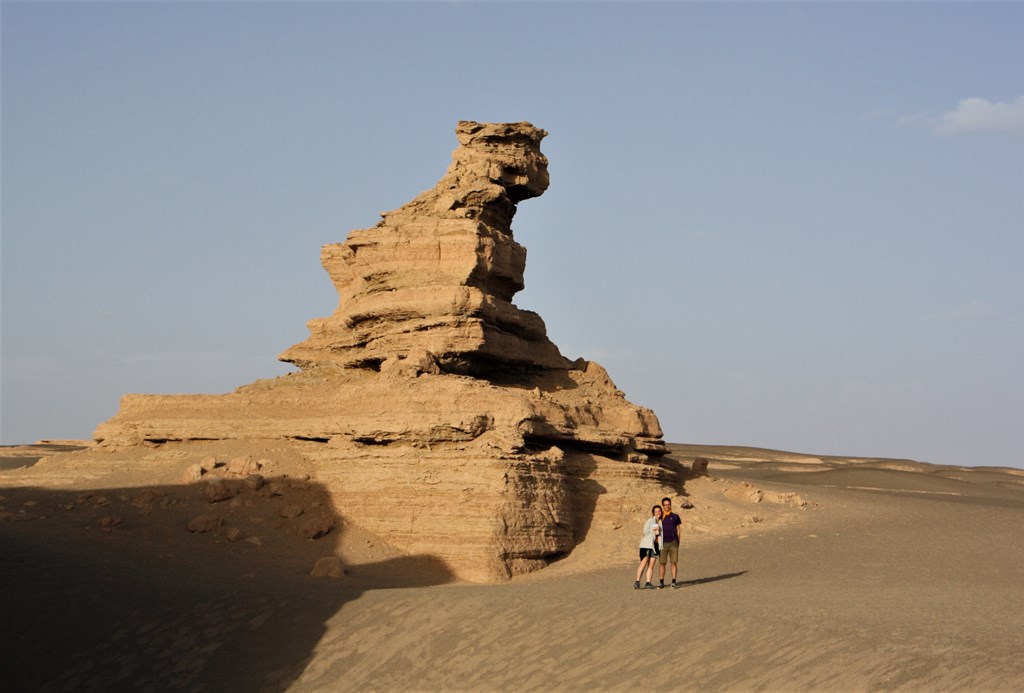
(660, 542)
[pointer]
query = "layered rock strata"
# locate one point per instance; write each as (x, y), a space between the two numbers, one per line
(435, 411)
(439, 273)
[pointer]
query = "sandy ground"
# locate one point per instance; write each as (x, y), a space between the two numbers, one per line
(894, 575)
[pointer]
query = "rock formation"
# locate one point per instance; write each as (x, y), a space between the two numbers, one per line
(437, 413)
(439, 273)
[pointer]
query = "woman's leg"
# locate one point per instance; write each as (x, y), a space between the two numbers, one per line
(650, 569)
(640, 570)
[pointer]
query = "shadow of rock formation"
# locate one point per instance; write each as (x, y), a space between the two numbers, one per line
(108, 589)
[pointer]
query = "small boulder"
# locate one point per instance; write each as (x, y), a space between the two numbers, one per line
(242, 466)
(204, 523)
(290, 511)
(217, 490)
(254, 481)
(192, 474)
(234, 534)
(699, 467)
(316, 527)
(329, 566)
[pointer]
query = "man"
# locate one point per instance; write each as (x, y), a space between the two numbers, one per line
(670, 543)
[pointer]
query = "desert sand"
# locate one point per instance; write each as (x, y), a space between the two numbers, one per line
(800, 573)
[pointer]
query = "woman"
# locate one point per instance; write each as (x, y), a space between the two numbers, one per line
(649, 547)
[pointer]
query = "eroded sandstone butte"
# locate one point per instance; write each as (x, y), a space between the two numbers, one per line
(438, 414)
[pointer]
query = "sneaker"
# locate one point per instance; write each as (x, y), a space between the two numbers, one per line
(661, 585)
(674, 585)
(636, 585)
(648, 586)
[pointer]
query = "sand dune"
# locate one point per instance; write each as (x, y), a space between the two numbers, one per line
(846, 574)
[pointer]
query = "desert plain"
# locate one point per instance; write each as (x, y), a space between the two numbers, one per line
(798, 573)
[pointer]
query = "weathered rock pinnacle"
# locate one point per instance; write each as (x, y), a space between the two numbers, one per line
(438, 274)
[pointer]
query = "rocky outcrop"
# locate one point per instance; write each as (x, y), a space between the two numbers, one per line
(436, 412)
(433, 281)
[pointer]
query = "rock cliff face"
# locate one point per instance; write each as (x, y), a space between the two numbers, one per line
(436, 412)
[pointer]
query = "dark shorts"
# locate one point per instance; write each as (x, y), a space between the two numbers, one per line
(648, 553)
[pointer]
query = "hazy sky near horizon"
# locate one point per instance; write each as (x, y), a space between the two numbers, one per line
(786, 225)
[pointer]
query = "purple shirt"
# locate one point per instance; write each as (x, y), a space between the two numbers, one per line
(669, 525)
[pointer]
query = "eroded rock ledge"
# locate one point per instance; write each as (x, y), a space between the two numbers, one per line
(429, 391)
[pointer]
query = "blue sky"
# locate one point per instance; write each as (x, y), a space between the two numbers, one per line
(787, 225)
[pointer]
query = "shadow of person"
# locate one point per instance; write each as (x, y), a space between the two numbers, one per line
(714, 578)
(106, 589)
